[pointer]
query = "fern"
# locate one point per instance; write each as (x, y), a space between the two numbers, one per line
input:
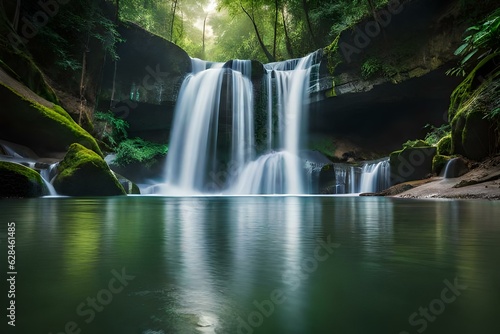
(139, 150)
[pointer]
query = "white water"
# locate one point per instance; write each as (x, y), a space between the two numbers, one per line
(198, 160)
(375, 177)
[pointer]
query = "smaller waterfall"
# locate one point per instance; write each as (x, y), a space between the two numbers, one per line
(375, 177)
(372, 176)
(48, 175)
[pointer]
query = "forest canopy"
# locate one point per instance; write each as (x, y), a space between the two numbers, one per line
(265, 30)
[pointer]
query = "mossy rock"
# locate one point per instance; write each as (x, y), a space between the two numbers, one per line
(18, 181)
(444, 146)
(471, 135)
(22, 68)
(130, 187)
(439, 162)
(83, 172)
(43, 129)
(411, 164)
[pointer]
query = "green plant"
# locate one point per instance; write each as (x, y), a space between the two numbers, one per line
(139, 150)
(483, 38)
(115, 129)
(369, 67)
(436, 133)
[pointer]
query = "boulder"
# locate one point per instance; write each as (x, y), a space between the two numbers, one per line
(130, 187)
(46, 130)
(83, 172)
(439, 162)
(444, 145)
(18, 181)
(456, 167)
(471, 135)
(412, 163)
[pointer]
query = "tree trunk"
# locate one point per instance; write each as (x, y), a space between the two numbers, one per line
(174, 8)
(117, 18)
(259, 38)
(83, 100)
(276, 5)
(204, 26)
(308, 21)
(288, 43)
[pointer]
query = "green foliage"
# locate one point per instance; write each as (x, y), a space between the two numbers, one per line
(139, 150)
(117, 125)
(444, 145)
(370, 67)
(128, 150)
(415, 143)
(482, 39)
(436, 133)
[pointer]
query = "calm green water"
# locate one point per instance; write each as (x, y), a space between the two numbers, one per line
(254, 265)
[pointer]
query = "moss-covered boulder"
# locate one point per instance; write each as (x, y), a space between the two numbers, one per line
(83, 172)
(471, 135)
(45, 130)
(411, 163)
(444, 146)
(18, 181)
(475, 119)
(439, 162)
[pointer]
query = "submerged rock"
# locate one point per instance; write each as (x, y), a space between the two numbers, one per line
(18, 181)
(83, 172)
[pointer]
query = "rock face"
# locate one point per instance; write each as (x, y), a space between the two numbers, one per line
(84, 173)
(36, 123)
(149, 74)
(18, 181)
(409, 164)
(380, 87)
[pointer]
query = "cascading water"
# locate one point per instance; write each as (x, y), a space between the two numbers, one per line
(215, 127)
(195, 150)
(281, 170)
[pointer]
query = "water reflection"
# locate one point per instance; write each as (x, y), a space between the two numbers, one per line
(209, 264)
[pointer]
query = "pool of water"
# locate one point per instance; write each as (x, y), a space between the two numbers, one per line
(257, 264)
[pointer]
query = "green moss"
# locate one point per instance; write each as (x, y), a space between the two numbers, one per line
(415, 143)
(439, 162)
(22, 68)
(444, 145)
(83, 172)
(18, 181)
(34, 125)
(332, 55)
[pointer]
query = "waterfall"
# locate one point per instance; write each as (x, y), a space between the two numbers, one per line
(214, 126)
(375, 177)
(371, 176)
